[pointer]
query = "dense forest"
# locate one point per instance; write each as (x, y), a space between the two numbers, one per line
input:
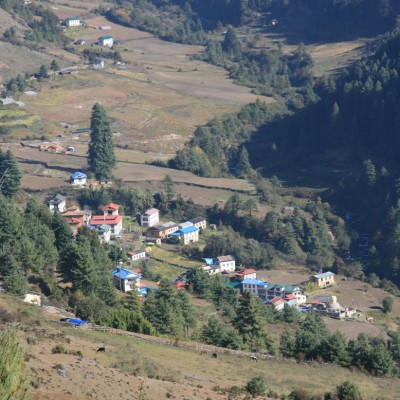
(314, 19)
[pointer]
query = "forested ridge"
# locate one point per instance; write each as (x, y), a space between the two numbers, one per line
(313, 18)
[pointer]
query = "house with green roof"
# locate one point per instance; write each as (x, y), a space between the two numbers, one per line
(106, 41)
(73, 21)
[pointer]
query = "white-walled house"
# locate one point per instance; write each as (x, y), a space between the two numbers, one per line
(106, 41)
(73, 21)
(98, 64)
(150, 218)
(57, 203)
(126, 280)
(226, 263)
(255, 286)
(136, 255)
(111, 209)
(187, 235)
(113, 221)
(78, 178)
(199, 222)
(104, 232)
(246, 274)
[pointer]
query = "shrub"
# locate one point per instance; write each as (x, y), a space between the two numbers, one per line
(256, 386)
(59, 349)
(348, 391)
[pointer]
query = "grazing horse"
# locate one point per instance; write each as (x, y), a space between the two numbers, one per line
(253, 358)
(101, 350)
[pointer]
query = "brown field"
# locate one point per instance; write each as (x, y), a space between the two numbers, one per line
(6, 22)
(18, 60)
(35, 160)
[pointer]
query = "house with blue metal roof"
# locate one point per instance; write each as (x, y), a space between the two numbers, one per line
(189, 234)
(126, 280)
(78, 178)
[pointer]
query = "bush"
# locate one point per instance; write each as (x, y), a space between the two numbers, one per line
(256, 386)
(387, 304)
(59, 349)
(348, 391)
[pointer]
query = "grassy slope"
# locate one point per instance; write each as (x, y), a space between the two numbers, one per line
(181, 372)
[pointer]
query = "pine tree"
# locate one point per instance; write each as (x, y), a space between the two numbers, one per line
(169, 187)
(62, 232)
(101, 156)
(243, 165)
(10, 175)
(13, 378)
(54, 66)
(251, 324)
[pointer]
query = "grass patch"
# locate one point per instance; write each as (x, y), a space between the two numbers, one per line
(171, 257)
(22, 122)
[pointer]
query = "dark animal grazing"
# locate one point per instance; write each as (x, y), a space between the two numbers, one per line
(214, 355)
(101, 350)
(253, 358)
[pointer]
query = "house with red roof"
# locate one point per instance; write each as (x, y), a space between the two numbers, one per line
(246, 274)
(113, 221)
(110, 209)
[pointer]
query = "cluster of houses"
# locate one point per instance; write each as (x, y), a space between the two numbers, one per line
(186, 232)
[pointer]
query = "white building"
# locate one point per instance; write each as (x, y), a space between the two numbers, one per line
(226, 263)
(106, 41)
(113, 221)
(150, 218)
(199, 222)
(136, 255)
(187, 235)
(78, 178)
(58, 203)
(111, 209)
(126, 280)
(74, 21)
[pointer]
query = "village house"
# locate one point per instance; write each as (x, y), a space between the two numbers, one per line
(76, 212)
(78, 178)
(57, 203)
(199, 222)
(226, 263)
(325, 279)
(246, 274)
(110, 209)
(104, 232)
(126, 280)
(150, 218)
(278, 303)
(282, 290)
(210, 267)
(106, 41)
(187, 235)
(73, 21)
(185, 224)
(98, 64)
(113, 221)
(162, 231)
(75, 224)
(255, 287)
(136, 255)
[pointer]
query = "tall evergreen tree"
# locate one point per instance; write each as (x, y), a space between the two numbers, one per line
(10, 175)
(101, 156)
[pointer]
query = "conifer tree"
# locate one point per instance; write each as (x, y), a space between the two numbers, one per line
(101, 156)
(13, 379)
(10, 175)
(243, 165)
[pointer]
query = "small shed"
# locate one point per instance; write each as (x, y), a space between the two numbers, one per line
(78, 178)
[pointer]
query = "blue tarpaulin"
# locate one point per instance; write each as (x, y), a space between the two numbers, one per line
(77, 321)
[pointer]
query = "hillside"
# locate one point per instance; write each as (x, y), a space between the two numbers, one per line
(133, 368)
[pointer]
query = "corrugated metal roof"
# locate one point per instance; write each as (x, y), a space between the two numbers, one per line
(324, 275)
